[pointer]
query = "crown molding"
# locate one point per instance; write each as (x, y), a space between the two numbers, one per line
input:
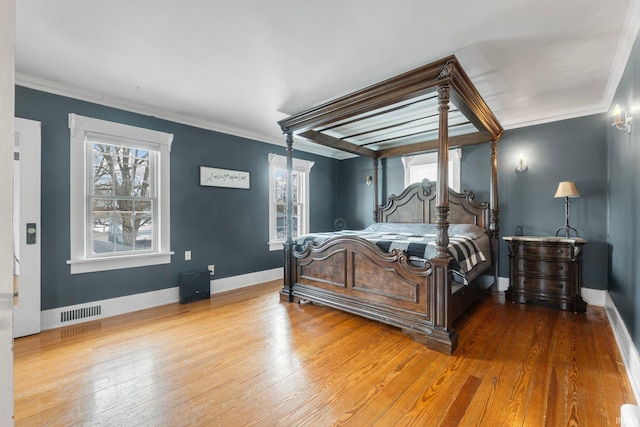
(623, 52)
(565, 115)
(48, 86)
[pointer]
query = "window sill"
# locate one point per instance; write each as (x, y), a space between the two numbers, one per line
(118, 262)
(276, 246)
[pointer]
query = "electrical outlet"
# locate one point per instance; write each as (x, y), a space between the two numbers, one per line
(211, 269)
(187, 255)
(519, 230)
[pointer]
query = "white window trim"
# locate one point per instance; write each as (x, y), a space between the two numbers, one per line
(455, 158)
(161, 141)
(280, 162)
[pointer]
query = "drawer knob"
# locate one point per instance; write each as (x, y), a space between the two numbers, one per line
(559, 251)
(560, 286)
(561, 268)
(525, 282)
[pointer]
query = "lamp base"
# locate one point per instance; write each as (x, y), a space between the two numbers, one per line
(567, 231)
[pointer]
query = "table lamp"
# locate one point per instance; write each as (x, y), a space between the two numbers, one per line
(567, 189)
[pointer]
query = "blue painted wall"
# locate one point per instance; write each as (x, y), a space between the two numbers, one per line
(569, 150)
(221, 226)
(624, 203)
(356, 197)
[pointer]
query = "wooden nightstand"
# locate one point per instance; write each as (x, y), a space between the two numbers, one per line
(547, 271)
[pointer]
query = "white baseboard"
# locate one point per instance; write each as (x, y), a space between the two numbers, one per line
(244, 280)
(597, 297)
(50, 319)
(503, 284)
(627, 349)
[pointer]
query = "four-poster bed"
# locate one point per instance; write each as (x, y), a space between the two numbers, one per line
(432, 107)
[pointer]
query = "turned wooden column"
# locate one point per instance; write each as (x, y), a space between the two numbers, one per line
(287, 289)
(494, 228)
(375, 189)
(493, 194)
(442, 188)
(443, 337)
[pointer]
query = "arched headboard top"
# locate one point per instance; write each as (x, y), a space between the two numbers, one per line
(417, 204)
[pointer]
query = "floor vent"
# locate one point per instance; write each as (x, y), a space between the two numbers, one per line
(80, 313)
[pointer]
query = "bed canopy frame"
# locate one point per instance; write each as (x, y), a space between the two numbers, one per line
(433, 107)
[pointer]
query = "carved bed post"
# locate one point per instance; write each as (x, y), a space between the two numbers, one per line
(286, 294)
(494, 228)
(442, 189)
(375, 189)
(443, 337)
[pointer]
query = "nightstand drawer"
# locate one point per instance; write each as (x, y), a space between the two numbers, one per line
(545, 251)
(543, 285)
(557, 268)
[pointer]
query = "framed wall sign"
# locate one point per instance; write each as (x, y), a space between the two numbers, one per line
(214, 177)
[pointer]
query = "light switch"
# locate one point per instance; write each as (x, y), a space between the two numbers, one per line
(31, 233)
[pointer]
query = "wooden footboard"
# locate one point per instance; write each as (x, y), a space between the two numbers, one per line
(351, 274)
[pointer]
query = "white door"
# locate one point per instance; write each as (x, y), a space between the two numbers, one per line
(26, 228)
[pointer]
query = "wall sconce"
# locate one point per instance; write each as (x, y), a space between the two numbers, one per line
(619, 122)
(369, 180)
(521, 166)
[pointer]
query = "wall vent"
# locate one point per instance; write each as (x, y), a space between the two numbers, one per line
(80, 313)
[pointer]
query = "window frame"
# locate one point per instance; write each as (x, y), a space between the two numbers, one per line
(455, 160)
(81, 159)
(303, 167)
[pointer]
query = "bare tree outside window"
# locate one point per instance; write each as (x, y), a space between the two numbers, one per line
(278, 199)
(281, 203)
(122, 199)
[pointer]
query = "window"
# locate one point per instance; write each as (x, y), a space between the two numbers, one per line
(278, 199)
(421, 166)
(119, 196)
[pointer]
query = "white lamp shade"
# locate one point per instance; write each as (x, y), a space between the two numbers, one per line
(567, 189)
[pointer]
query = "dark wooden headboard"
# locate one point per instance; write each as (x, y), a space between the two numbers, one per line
(417, 204)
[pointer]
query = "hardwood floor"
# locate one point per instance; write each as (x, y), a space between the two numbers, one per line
(244, 358)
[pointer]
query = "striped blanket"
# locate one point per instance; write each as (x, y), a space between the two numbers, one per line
(412, 240)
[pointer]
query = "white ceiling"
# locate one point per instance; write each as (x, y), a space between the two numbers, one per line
(239, 66)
